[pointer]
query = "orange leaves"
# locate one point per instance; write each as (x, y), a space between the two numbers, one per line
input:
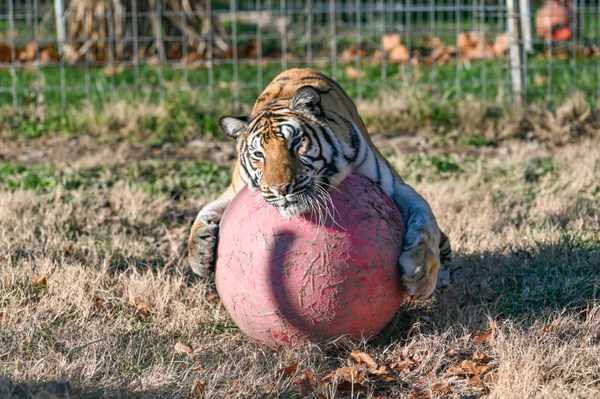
(307, 382)
(180, 347)
(362, 357)
(475, 370)
(141, 305)
(486, 335)
(354, 74)
(419, 371)
(288, 370)
(40, 281)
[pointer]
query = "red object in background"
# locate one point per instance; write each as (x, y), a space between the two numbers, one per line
(288, 281)
(553, 20)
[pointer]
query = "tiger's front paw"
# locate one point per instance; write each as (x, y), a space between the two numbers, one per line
(419, 264)
(202, 245)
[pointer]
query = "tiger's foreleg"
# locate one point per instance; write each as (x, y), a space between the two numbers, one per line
(204, 235)
(425, 246)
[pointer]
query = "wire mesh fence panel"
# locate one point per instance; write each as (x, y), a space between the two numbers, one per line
(70, 53)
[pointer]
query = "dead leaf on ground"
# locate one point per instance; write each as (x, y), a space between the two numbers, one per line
(5, 53)
(501, 44)
(405, 353)
(548, 328)
(99, 303)
(390, 41)
(539, 79)
(441, 388)
(362, 357)
(288, 370)
(198, 389)
(404, 366)
(420, 391)
(399, 53)
(481, 357)
(41, 281)
(451, 352)
(347, 378)
(141, 305)
(307, 382)
(348, 386)
(355, 373)
(486, 335)
(180, 347)
(354, 74)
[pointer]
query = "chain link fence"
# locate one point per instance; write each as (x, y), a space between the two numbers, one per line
(69, 52)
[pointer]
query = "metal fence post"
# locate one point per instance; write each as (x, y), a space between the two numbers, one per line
(525, 15)
(515, 51)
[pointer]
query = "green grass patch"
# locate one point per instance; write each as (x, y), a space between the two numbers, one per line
(178, 179)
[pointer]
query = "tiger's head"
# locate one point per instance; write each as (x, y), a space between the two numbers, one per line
(288, 151)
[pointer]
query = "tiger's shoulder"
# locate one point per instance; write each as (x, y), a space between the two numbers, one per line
(288, 82)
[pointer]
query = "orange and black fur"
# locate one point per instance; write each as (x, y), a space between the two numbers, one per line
(303, 136)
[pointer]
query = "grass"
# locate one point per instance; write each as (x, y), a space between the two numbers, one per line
(97, 301)
(484, 81)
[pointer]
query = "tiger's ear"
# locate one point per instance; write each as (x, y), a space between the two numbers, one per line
(233, 127)
(307, 97)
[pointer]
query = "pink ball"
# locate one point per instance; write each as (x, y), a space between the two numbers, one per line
(285, 282)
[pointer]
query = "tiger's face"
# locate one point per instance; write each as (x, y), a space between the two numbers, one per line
(286, 153)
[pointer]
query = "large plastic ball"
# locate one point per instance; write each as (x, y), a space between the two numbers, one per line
(288, 281)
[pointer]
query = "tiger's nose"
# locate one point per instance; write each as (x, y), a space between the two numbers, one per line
(280, 189)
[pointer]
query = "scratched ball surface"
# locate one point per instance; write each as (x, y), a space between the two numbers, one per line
(287, 281)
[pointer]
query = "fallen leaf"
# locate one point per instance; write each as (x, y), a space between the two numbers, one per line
(288, 370)
(5, 53)
(440, 388)
(28, 53)
(390, 41)
(354, 373)
(420, 391)
(41, 281)
(501, 44)
(99, 303)
(141, 305)
(198, 389)
(404, 366)
(456, 371)
(539, 80)
(451, 353)
(362, 357)
(180, 347)
(548, 328)
(354, 74)
(307, 382)
(405, 353)
(348, 386)
(486, 335)
(474, 380)
(399, 54)
(481, 357)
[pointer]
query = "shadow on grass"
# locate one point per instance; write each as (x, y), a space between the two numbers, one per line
(521, 285)
(63, 390)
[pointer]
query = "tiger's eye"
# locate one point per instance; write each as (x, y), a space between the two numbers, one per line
(258, 154)
(297, 143)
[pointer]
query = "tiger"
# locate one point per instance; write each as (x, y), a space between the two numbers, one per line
(304, 134)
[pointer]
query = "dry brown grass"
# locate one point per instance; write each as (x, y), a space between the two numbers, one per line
(95, 292)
